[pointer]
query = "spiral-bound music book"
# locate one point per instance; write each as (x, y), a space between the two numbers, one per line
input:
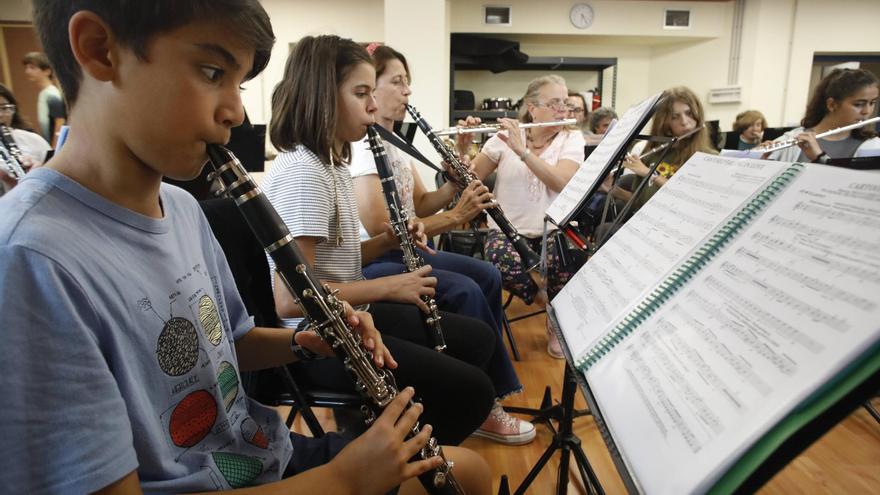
(728, 312)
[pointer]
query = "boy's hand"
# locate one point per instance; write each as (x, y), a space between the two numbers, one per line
(360, 321)
(7, 179)
(380, 458)
(409, 287)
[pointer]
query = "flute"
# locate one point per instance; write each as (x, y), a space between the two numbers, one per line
(788, 143)
(530, 260)
(670, 143)
(321, 307)
(454, 131)
(399, 219)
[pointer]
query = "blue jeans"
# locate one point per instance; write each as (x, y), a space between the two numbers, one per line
(469, 287)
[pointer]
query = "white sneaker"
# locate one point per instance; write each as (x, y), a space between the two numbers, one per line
(504, 428)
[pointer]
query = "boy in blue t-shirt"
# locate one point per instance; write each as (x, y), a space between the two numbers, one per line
(123, 333)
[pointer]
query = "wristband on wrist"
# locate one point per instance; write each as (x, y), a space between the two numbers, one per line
(525, 154)
(822, 158)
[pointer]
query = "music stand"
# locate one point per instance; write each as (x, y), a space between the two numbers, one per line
(564, 439)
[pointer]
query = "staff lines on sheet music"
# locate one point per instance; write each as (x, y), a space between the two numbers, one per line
(742, 368)
(647, 236)
(646, 400)
(594, 301)
(621, 270)
(774, 293)
(665, 403)
(807, 230)
(861, 221)
(677, 379)
(827, 291)
(827, 261)
(711, 186)
(748, 332)
(667, 230)
(663, 204)
(701, 203)
(643, 261)
(763, 316)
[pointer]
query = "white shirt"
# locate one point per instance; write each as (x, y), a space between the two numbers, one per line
(363, 164)
(523, 196)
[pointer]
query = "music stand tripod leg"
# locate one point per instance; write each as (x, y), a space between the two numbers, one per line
(567, 441)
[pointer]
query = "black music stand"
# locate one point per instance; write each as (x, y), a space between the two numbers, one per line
(564, 439)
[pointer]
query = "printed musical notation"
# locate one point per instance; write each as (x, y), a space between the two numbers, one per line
(653, 242)
(785, 305)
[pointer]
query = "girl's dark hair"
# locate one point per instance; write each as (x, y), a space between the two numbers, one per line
(383, 54)
(135, 22)
(698, 141)
(304, 102)
(838, 84)
(18, 122)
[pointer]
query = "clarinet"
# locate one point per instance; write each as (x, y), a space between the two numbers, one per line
(399, 220)
(11, 154)
(321, 307)
(530, 260)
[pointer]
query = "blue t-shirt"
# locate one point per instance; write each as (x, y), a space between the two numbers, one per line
(117, 348)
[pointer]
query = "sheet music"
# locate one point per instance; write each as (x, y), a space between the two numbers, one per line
(579, 185)
(743, 153)
(705, 191)
(789, 303)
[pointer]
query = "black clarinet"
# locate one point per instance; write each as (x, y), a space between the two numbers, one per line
(399, 219)
(530, 260)
(11, 154)
(321, 306)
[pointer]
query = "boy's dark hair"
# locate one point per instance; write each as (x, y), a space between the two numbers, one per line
(304, 102)
(18, 122)
(838, 84)
(37, 59)
(135, 22)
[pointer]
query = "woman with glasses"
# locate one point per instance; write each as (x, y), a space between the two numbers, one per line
(533, 165)
(33, 147)
(577, 109)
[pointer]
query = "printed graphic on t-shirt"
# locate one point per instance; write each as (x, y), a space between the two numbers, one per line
(192, 418)
(207, 417)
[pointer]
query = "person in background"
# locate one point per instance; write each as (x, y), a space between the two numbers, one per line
(600, 119)
(465, 285)
(677, 114)
(749, 126)
(323, 103)
(843, 97)
(33, 147)
(577, 109)
(533, 165)
(50, 105)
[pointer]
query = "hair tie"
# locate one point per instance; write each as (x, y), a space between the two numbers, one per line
(372, 47)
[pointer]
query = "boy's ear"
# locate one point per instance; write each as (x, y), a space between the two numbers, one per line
(92, 43)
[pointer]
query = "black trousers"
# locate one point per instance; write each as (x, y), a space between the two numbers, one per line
(453, 386)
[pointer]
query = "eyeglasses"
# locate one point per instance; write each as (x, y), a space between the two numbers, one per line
(557, 105)
(573, 109)
(7, 108)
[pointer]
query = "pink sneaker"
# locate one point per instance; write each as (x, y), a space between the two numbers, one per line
(504, 428)
(554, 348)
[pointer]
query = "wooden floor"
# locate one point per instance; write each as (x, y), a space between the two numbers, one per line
(846, 460)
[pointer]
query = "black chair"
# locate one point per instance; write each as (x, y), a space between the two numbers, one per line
(250, 269)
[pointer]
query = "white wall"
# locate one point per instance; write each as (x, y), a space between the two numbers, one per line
(15, 10)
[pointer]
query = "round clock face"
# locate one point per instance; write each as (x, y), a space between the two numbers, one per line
(581, 16)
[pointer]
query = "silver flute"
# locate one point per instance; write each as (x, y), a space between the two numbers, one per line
(478, 129)
(323, 309)
(788, 143)
(399, 220)
(11, 154)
